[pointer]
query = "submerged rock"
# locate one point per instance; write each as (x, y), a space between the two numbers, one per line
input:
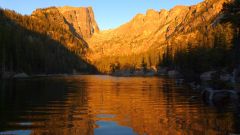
(179, 81)
(192, 98)
(236, 75)
(174, 73)
(150, 73)
(207, 76)
(219, 96)
(162, 71)
(226, 77)
(219, 80)
(195, 86)
(20, 75)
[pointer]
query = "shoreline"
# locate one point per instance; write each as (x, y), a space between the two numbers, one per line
(209, 95)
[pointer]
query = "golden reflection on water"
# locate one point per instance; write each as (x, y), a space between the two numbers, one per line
(110, 105)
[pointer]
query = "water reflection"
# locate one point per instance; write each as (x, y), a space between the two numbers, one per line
(107, 105)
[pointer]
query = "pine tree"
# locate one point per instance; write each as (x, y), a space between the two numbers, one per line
(144, 65)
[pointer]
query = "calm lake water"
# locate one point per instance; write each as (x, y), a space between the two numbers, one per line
(104, 105)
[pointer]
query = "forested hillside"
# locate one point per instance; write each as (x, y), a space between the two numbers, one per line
(215, 49)
(35, 46)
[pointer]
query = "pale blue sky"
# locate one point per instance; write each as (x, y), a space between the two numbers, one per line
(108, 13)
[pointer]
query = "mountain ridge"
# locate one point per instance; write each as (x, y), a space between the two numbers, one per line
(145, 38)
(154, 30)
(41, 43)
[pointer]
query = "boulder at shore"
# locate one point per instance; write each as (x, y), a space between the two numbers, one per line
(20, 75)
(218, 96)
(174, 73)
(207, 76)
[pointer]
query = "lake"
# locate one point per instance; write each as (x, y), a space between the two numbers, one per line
(105, 105)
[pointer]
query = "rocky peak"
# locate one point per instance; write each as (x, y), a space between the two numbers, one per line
(51, 15)
(79, 20)
(82, 19)
(152, 13)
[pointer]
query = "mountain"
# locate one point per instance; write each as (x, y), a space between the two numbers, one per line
(81, 19)
(154, 31)
(78, 20)
(45, 42)
(67, 39)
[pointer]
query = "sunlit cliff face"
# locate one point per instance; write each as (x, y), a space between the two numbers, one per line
(78, 20)
(154, 30)
(82, 19)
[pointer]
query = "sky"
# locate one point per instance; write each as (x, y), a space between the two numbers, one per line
(108, 13)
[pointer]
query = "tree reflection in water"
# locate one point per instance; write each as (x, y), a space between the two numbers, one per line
(109, 105)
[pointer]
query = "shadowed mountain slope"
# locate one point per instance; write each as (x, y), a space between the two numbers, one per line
(41, 43)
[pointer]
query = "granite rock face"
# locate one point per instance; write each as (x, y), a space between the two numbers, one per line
(154, 30)
(78, 20)
(81, 19)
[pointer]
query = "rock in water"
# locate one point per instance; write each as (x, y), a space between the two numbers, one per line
(207, 76)
(174, 73)
(20, 75)
(219, 96)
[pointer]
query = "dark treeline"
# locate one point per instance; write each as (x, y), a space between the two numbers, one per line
(217, 49)
(132, 62)
(26, 46)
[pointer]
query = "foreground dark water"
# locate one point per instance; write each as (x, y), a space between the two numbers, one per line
(102, 105)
